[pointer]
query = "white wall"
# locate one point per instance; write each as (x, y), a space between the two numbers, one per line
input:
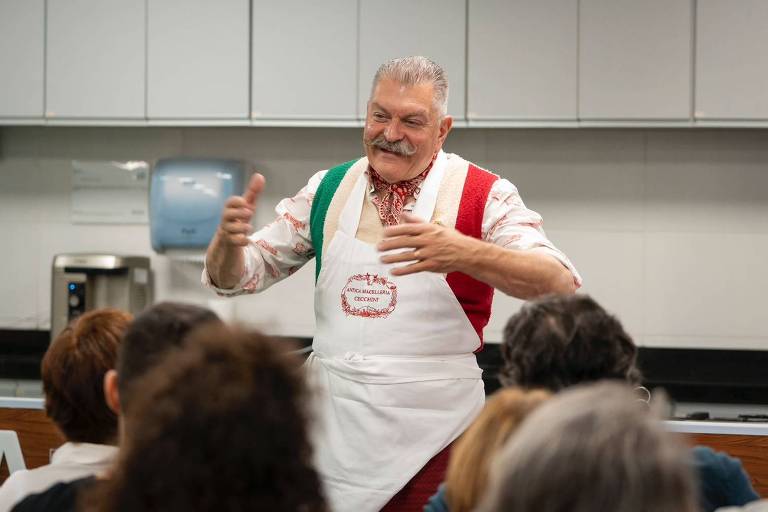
(668, 227)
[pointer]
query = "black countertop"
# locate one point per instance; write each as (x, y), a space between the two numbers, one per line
(688, 375)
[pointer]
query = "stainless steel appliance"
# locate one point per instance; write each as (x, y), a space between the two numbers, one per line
(81, 282)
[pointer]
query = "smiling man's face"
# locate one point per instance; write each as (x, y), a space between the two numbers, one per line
(403, 129)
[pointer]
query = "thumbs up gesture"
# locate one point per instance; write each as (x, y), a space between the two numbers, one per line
(235, 223)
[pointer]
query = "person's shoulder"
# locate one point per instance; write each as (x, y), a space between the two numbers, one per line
(333, 174)
(478, 177)
(705, 458)
(326, 182)
(16, 479)
(723, 481)
(340, 170)
(13, 488)
(457, 160)
(755, 506)
(60, 497)
(25, 482)
(437, 502)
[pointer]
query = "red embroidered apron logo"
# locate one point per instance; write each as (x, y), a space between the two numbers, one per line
(369, 296)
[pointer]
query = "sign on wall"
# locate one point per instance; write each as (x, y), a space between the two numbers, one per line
(110, 192)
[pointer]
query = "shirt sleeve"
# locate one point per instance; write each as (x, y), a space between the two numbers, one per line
(278, 249)
(723, 482)
(507, 222)
(12, 490)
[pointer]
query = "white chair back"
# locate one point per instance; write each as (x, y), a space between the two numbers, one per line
(11, 450)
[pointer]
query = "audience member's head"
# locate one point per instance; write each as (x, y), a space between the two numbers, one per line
(147, 340)
(467, 476)
(219, 425)
(590, 449)
(558, 341)
(73, 372)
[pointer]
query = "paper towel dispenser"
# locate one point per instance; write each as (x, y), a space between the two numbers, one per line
(186, 197)
(82, 282)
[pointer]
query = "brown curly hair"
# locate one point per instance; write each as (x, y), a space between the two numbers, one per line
(221, 424)
(558, 341)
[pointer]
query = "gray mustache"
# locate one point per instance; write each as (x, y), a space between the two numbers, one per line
(401, 147)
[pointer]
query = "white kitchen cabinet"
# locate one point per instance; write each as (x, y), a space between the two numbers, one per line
(399, 28)
(304, 60)
(95, 61)
(198, 59)
(22, 25)
(635, 59)
(731, 63)
(522, 60)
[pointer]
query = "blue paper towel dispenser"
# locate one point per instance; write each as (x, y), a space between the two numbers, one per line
(186, 197)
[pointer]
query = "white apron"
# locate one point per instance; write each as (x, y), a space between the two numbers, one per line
(393, 365)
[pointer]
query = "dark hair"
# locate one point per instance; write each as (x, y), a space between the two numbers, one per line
(221, 425)
(150, 336)
(561, 340)
(73, 371)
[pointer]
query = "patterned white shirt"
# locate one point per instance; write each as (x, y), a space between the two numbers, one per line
(280, 248)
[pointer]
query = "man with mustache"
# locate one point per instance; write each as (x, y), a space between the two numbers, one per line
(409, 244)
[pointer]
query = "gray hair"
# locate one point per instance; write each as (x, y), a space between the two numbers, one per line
(592, 448)
(415, 70)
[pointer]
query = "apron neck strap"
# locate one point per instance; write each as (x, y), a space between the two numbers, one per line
(425, 204)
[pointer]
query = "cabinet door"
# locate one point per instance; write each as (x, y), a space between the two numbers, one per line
(522, 59)
(21, 58)
(635, 59)
(304, 60)
(198, 59)
(731, 63)
(399, 28)
(95, 59)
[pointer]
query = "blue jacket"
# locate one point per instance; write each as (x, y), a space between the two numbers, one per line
(437, 502)
(722, 483)
(722, 480)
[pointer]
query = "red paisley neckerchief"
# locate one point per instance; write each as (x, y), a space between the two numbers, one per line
(390, 198)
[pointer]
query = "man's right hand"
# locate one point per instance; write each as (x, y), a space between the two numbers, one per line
(224, 259)
(235, 223)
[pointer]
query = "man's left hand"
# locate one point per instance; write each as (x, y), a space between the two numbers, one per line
(431, 247)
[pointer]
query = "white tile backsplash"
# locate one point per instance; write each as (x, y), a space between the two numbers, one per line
(669, 228)
(20, 279)
(20, 186)
(579, 180)
(707, 287)
(717, 186)
(55, 191)
(598, 256)
(612, 267)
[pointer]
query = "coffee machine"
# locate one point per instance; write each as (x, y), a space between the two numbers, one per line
(81, 282)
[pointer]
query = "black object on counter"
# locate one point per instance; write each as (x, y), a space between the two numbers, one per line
(707, 376)
(688, 375)
(21, 352)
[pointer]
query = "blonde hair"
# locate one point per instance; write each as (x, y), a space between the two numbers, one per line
(467, 475)
(592, 447)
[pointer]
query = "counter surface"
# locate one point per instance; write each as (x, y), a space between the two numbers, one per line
(12, 402)
(742, 428)
(682, 426)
